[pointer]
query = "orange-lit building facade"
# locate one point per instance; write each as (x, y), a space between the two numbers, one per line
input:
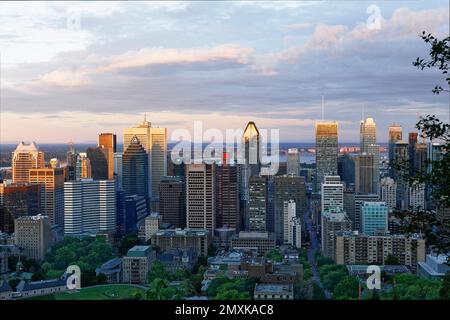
(51, 181)
(25, 157)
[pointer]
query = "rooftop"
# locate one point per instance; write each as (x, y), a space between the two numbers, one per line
(139, 251)
(274, 288)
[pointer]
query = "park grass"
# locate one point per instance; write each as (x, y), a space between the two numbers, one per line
(103, 292)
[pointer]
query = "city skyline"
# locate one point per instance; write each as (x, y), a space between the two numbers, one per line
(103, 76)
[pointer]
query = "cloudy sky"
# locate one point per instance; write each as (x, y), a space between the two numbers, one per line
(72, 70)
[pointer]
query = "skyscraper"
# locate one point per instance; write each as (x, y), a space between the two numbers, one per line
(293, 162)
(83, 168)
(200, 196)
(412, 141)
(395, 135)
(25, 157)
(346, 169)
(98, 158)
(51, 181)
(333, 221)
(227, 198)
(368, 134)
(118, 170)
(359, 202)
(420, 157)
(289, 214)
(172, 206)
(89, 207)
(107, 141)
(154, 142)
(286, 188)
(369, 146)
(388, 192)
(416, 197)
(326, 150)
(258, 203)
(364, 173)
(18, 200)
(332, 193)
(252, 144)
(400, 157)
(158, 156)
(374, 218)
(135, 169)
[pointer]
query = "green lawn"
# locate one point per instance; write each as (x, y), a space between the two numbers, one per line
(104, 292)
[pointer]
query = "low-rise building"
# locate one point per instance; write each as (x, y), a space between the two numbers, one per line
(434, 266)
(136, 264)
(352, 248)
(361, 269)
(112, 269)
(28, 289)
(273, 292)
(177, 259)
(152, 224)
(198, 240)
(260, 242)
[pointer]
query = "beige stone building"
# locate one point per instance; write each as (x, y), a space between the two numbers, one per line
(351, 248)
(136, 264)
(33, 235)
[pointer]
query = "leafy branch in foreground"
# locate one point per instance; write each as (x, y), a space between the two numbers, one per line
(440, 57)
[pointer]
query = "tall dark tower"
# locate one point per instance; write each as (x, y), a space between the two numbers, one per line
(251, 142)
(227, 195)
(99, 163)
(135, 169)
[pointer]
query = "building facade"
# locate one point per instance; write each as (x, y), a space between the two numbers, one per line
(200, 196)
(51, 181)
(89, 207)
(33, 235)
(25, 157)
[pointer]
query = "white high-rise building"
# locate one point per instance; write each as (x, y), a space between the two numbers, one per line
(388, 192)
(293, 162)
(332, 193)
(200, 198)
(154, 141)
(89, 207)
(289, 211)
(292, 225)
(416, 197)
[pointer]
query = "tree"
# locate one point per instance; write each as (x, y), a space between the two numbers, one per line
(331, 279)
(438, 178)
(274, 255)
(128, 242)
(391, 260)
(347, 289)
(158, 271)
(444, 293)
(440, 57)
(412, 287)
(232, 294)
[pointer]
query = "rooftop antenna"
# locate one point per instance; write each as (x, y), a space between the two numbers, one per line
(363, 109)
(323, 110)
